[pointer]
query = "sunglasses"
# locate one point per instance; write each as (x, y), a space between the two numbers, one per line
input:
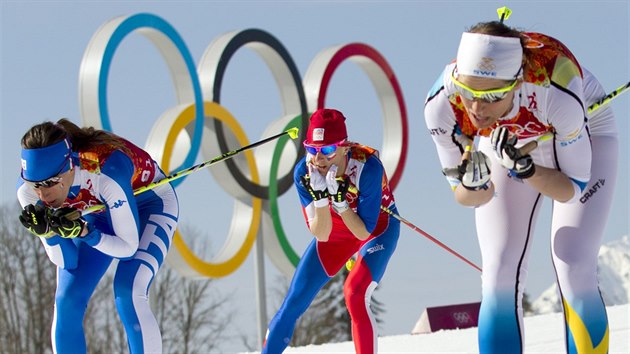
(489, 96)
(52, 181)
(324, 150)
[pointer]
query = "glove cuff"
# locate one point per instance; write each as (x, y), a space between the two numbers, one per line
(340, 207)
(477, 188)
(321, 203)
(49, 234)
(525, 172)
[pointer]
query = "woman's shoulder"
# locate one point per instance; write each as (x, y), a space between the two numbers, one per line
(549, 60)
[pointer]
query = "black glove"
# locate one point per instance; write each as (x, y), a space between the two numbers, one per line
(34, 219)
(520, 166)
(63, 226)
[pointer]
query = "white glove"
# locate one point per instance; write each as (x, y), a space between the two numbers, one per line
(337, 190)
(331, 180)
(317, 181)
(315, 184)
(474, 173)
(504, 145)
(477, 173)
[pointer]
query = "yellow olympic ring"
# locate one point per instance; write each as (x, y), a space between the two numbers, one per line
(242, 234)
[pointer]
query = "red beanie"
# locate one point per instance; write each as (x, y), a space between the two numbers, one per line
(327, 126)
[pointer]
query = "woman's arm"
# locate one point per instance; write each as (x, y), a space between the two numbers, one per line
(115, 190)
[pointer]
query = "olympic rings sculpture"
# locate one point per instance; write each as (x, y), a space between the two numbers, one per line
(198, 114)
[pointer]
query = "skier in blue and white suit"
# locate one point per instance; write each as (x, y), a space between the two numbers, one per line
(66, 168)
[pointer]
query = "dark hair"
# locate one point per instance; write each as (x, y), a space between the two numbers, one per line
(499, 29)
(41, 135)
(49, 133)
(496, 28)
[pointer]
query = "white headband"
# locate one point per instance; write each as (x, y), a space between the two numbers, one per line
(489, 56)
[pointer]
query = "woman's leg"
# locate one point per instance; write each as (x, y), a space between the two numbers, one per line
(577, 231)
(505, 228)
(133, 277)
(74, 289)
(361, 283)
(308, 279)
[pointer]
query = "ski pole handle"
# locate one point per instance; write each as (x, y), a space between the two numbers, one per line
(529, 147)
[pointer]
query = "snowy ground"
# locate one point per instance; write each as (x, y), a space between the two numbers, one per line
(544, 334)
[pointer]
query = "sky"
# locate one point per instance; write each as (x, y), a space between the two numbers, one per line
(42, 44)
(544, 335)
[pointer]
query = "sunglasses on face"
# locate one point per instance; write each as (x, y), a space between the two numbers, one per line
(324, 150)
(489, 96)
(52, 181)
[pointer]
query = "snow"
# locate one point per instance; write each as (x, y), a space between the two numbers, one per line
(544, 334)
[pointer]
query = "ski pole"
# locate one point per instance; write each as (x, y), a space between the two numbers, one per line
(292, 133)
(436, 241)
(609, 97)
(419, 230)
